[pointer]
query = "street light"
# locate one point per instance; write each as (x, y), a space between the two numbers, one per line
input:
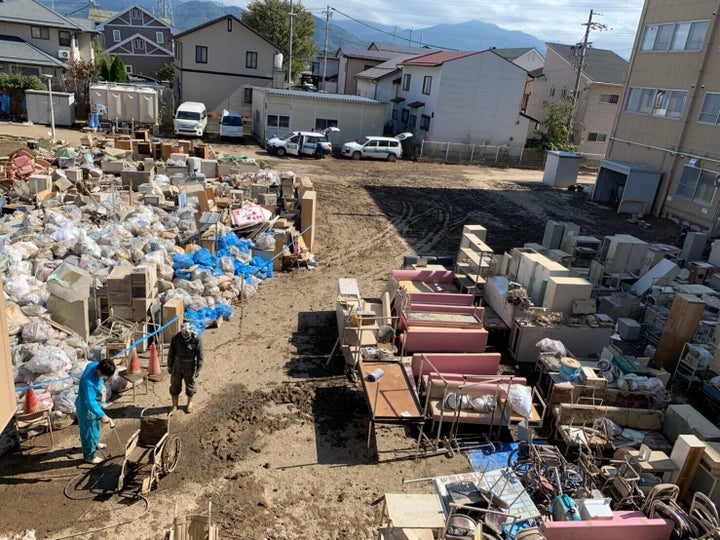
(49, 78)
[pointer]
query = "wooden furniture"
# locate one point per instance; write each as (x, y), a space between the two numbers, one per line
(413, 514)
(680, 325)
(30, 425)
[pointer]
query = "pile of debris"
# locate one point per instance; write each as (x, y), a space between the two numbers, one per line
(117, 239)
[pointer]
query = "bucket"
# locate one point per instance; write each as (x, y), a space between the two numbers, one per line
(569, 368)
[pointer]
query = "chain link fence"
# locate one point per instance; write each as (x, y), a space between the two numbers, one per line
(449, 152)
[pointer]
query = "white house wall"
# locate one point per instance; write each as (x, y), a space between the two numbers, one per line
(380, 90)
(480, 99)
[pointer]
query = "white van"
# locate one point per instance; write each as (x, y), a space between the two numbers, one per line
(191, 119)
(231, 124)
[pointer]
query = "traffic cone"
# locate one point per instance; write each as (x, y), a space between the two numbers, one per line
(134, 366)
(31, 404)
(154, 365)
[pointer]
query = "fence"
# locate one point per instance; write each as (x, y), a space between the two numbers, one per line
(449, 152)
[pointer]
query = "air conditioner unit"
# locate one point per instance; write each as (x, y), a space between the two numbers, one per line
(64, 55)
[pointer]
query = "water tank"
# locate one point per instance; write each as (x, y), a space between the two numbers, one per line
(278, 61)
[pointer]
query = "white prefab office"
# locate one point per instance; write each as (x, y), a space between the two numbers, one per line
(276, 112)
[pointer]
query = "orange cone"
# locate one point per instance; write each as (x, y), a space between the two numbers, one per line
(134, 366)
(31, 404)
(154, 365)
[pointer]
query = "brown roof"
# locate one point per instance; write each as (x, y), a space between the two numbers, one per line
(437, 58)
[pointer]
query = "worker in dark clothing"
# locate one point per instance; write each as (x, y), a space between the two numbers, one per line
(185, 360)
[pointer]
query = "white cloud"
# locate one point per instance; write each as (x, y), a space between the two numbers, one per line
(548, 20)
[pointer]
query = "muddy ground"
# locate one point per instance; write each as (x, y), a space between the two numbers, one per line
(278, 441)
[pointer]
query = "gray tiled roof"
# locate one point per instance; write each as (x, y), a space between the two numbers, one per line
(513, 53)
(345, 98)
(34, 13)
(384, 69)
(366, 54)
(601, 65)
(14, 50)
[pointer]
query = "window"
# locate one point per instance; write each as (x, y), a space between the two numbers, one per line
(413, 120)
(247, 95)
(406, 82)
(40, 32)
(64, 38)
(684, 36)
(201, 54)
(425, 122)
(159, 38)
(552, 92)
(324, 123)
(405, 115)
(394, 114)
(609, 98)
(135, 14)
(276, 120)
(563, 93)
(229, 24)
(697, 184)
(116, 36)
(710, 112)
(138, 44)
(251, 60)
(427, 85)
(596, 137)
(128, 68)
(656, 102)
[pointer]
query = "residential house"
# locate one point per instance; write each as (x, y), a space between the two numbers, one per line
(277, 112)
(382, 83)
(600, 86)
(326, 66)
(471, 97)
(35, 40)
(354, 61)
(528, 58)
(670, 115)
(219, 62)
(141, 40)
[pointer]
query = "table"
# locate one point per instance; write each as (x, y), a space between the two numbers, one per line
(413, 511)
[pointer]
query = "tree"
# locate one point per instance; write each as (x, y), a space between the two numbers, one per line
(118, 73)
(558, 133)
(104, 70)
(166, 73)
(271, 19)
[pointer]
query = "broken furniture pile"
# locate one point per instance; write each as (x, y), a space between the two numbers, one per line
(98, 251)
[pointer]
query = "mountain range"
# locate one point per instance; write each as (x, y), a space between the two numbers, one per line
(352, 33)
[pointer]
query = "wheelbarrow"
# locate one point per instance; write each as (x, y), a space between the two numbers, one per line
(150, 453)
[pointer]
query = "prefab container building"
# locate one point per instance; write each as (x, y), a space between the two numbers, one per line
(127, 103)
(276, 112)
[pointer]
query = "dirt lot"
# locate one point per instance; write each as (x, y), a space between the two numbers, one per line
(278, 441)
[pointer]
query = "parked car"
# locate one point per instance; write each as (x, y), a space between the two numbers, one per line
(231, 124)
(388, 148)
(191, 119)
(290, 144)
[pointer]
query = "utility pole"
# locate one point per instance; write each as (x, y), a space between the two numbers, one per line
(292, 16)
(589, 25)
(328, 14)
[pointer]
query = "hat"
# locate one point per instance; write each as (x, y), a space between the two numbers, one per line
(186, 329)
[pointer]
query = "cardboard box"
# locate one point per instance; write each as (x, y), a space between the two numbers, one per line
(74, 315)
(175, 307)
(142, 280)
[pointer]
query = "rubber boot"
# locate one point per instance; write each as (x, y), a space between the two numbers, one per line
(189, 407)
(174, 403)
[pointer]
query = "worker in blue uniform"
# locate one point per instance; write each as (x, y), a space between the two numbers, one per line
(87, 407)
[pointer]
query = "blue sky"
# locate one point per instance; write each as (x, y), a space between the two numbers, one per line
(548, 20)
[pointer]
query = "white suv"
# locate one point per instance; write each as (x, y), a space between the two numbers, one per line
(388, 148)
(310, 141)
